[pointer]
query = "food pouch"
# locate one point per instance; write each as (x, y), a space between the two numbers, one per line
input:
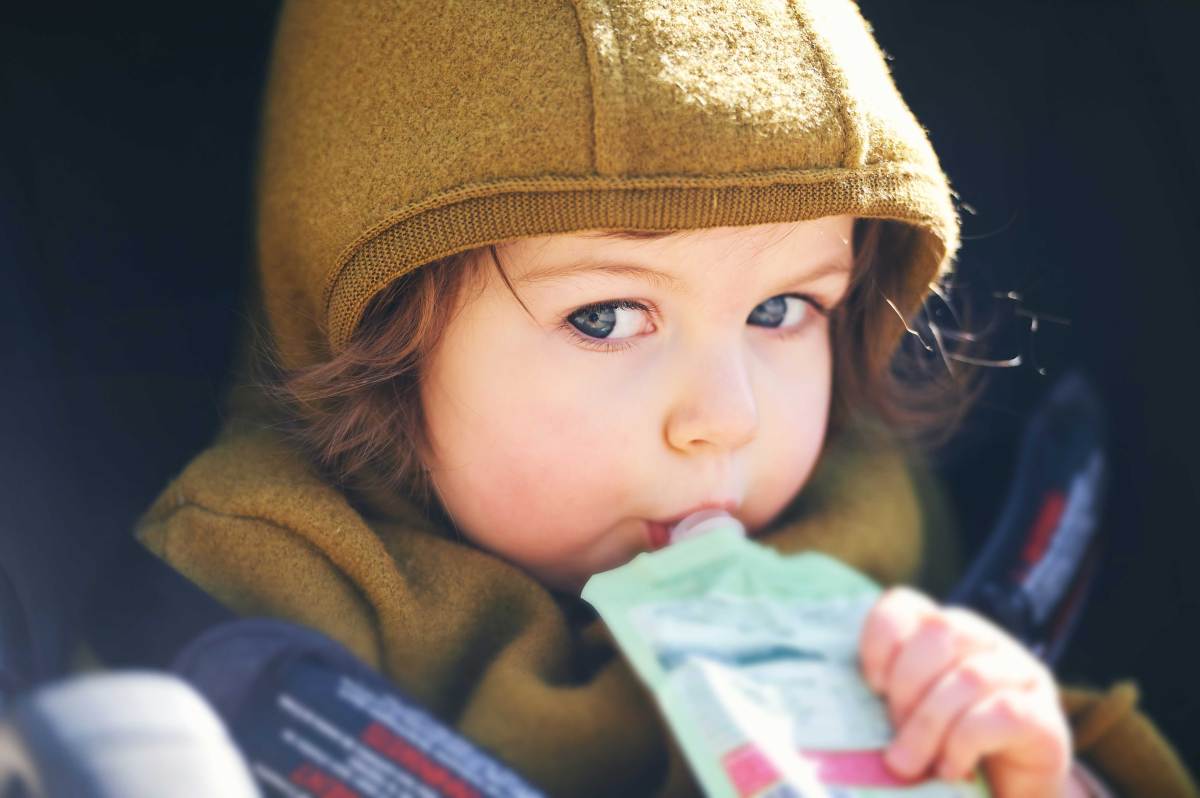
(752, 657)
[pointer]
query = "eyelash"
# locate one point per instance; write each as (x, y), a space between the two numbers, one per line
(604, 345)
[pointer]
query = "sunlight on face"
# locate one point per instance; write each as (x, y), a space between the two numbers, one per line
(648, 379)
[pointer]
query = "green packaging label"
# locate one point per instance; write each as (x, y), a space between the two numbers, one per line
(753, 658)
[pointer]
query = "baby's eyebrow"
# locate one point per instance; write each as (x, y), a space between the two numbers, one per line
(615, 268)
(635, 235)
(824, 269)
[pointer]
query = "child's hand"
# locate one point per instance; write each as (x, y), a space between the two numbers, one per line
(959, 691)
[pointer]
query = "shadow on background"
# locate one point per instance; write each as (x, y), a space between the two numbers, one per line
(125, 159)
(1070, 128)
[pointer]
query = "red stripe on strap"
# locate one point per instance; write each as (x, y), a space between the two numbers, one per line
(1043, 527)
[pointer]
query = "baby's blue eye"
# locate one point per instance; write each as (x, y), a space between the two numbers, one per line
(611, 320)
(596, 322)
(785, 310)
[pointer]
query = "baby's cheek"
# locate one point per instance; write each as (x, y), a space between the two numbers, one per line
(546, 471)
(788, 447)
(581, 464)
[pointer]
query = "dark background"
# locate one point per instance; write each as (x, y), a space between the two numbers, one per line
(126, 148)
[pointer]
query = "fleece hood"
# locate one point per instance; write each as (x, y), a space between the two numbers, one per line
(397, 133)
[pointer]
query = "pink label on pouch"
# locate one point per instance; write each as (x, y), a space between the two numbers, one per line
(752, 772)
(853, 768)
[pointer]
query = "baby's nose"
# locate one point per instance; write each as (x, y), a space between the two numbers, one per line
(714, 406)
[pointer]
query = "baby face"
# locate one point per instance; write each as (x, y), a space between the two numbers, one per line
(641, 381)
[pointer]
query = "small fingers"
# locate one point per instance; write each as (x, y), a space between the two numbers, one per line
(942, 639)
(923, 733)
(1022, 724)
(891, 622)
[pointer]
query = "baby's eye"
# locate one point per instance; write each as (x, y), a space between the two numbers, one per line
(610, 320)
(783, 311)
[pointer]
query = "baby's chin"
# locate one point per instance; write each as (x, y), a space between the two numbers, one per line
(560, 581)
(611, 549)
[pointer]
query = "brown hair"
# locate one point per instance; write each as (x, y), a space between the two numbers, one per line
(882, 366)
(359, 418)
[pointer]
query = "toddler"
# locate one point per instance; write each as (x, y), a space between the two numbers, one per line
(541, 278)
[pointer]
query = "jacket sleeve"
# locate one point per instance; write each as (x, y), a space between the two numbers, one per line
(1122, 745)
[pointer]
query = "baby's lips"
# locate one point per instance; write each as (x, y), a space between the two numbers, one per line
(702, 522)
(660, 535)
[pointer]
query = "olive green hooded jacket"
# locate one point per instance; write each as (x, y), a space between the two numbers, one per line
(398, 133)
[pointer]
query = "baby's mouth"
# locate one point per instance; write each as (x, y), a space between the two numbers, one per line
(660, 534)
